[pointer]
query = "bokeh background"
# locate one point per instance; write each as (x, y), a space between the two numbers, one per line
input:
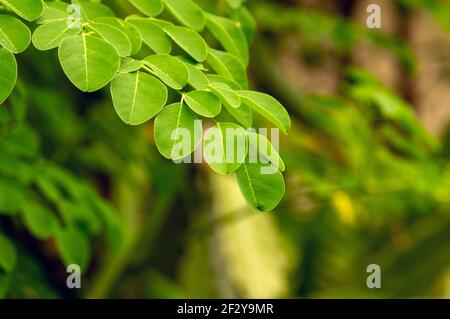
(367, 178)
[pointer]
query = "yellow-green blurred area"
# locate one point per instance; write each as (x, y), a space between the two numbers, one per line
(367, 172)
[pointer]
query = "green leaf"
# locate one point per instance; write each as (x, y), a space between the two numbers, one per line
(226, 95)
(41, 223)
(234, 4)
(8, 254)
(216, 78)
(268, 107)
(128, 65)
(197, 79)
(187, 12)
(225, 147)
(8, 78)
(11, 196)
(228, 65)
(152, 8)
(90, 63)
(247, 22)
(28, 9)
(169, 69)
(263, 192)
(228, 32)
(92, 10)
(190, 41)
(73, 246)
(130, 31)
(14, 35)
(261, 146)
(50, 35)
(53, 12)
(152, 35)
(137, 97)
(203, 103)
(113, 36)
(177, 132)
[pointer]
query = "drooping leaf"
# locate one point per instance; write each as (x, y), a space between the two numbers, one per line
(151, 8)
(50, 35)
(8, 76)
(225, 147)
(28, 9)
(190, 41)
(229, 33)
(169, 69)
(8, 254)
(203, 103)
(137, 97)
(152, 35)
(268, 107)
(14, 35)
(262, 191)
(41, 223)
(187, 12)
(228, 65)
(73, 247)
(177, 132)
(113, 36)
(90, 63)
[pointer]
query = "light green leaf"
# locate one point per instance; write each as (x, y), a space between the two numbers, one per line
(268, 107)
(128, 65)
(8, 254)
(92, 10)
(169, 69)
(263, 192)
(197, 79)
(228, 65)
(226, 95)
(177, 132)
(50, 35)
(187, 12)
(113, 36)
(190, 41)
(14, 35)
(90, 63)
(216, 78)
(247, 22)
(234, 3)
(225, 147)
(230, 35)
(130, 31)
(41, 223)
(152, 8)
(137, 97)
(28, 9)
(73, 246)
(203, 103)
(263, 148)
(53, 12)
(8, 78)
(152, 35)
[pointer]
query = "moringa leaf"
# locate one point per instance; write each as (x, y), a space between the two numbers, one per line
(190, 41)
(228, 65)
(177, 132)
(50, 35)
(54, 12)
(152, 35)
(8, 254)
(128, 65)
(137, 97)
(8, 78)
(229, 33)
(169, 69)
(28, 9)
(187, 12)
(130, 31)
(203, 103)
(92, 10)
(90, 63)
(114, 36)
(151, 8)
(268, 107)
(14, 35)
(264, 150)
(225, 147)
(263, 192)
(226, 94)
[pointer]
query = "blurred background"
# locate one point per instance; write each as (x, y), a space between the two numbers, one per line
(367, 178)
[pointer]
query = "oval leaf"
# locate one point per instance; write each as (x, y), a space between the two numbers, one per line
(169, 69)
(90, 63)
(190, 41)
(203, 103)
(8, 78)
(8, 254)
(50, 35)
(148, 7)
(152, 35)
(228, 65)
(28, 9)
(41, 223)
(113, 36)
(14, 35)
(187, 12)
